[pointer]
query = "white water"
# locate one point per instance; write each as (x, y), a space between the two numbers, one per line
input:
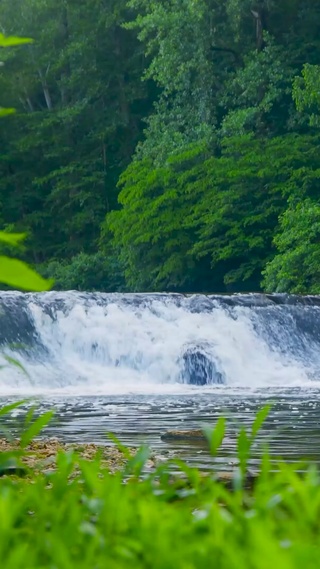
(111, 344)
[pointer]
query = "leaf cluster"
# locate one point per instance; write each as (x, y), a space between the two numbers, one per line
(211, 214)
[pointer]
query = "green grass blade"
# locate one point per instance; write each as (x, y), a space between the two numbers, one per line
(35, 428)
(259, 420)
(13, 239)
(12, 41)
(8, 408)
(215, 436)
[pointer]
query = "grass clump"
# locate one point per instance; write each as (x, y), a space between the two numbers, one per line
(83, 516)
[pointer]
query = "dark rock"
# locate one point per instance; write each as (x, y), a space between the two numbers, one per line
(195, 434)
(199, 368)
(228, 479)
(13, 471)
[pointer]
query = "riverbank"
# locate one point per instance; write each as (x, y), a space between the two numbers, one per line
(41, 455)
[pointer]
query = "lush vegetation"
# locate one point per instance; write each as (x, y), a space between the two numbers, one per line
(169, 145)
(81, 515)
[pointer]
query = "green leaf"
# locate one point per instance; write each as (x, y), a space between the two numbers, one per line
(215, 436)
(5, 112)
(259, 420)
(16, 363)
(8, 408)
(243, 449)
(10, 41)
(12, 238)
(5, 431)
(35, 428)
(17, 274)
(136, 463)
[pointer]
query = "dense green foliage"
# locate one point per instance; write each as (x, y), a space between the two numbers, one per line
(83, 516)
(80, 100)
(297, 265)
(86, 272)
(210, 220)
(164, 145)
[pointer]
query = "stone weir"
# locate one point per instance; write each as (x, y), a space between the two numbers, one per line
(106, 342)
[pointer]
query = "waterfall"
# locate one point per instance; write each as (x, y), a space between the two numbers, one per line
(91, 343)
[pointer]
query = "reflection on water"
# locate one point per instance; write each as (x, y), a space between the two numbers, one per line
(292, 429)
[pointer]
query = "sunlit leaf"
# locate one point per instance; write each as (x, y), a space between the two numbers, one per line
(11, 41)
(12, 238)
(17, 274)
(5, 112)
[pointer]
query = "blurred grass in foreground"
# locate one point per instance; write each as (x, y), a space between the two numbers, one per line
(82, 516)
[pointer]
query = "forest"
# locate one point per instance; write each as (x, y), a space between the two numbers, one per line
(164, 145)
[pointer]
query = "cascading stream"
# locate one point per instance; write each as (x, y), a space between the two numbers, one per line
(95, 343)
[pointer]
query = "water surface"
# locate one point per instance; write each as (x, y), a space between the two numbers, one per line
(291, 431)
(139, 365)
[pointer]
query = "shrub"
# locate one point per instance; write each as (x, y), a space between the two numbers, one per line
(98, 272)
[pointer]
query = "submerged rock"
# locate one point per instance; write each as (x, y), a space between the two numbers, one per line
(195, 434)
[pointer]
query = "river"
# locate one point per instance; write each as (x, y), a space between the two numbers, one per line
(140, 365)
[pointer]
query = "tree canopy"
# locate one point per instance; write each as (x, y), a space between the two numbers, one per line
(168, 145)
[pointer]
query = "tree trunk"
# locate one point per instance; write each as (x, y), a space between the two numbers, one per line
(260, 17)
(45, 88)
